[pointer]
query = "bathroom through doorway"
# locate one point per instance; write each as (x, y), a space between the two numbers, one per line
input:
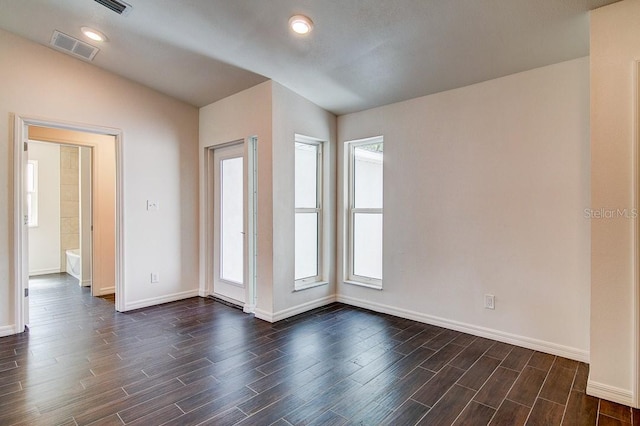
(83, 192)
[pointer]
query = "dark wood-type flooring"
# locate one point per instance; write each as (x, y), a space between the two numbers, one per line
(198, 361)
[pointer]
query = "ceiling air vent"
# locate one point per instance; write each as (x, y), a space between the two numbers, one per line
(119, 7)
(73, 46)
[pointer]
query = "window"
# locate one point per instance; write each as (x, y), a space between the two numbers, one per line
(232, 220)
(364, 221)
(32, 193)
(308, 212)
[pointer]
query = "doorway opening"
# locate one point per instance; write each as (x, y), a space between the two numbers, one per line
(231, 222)
(80, 204)
(59, 209)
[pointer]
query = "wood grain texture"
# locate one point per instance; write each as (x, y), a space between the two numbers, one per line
(546, 413)
(495, 389)
(198, 361)
(510, 414)
(526, 388)
(582, 410)
(449, 407)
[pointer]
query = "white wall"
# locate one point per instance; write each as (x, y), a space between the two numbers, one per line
(160, 138)
(484, 192)
(294, 114)
(239, 117)
(274, 114)
(614, 293)
(44, 240)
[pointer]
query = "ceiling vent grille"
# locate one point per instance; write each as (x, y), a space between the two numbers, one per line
(73, 46)
(119, 7)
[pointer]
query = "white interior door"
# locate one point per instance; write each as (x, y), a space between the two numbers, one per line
(229, 212)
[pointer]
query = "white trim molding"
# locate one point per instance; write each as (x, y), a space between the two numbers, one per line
(8, 330)
(206, 209)
(44, 272)
(319, 210)
(610, 393)
(500, 336)
(636, 238)
(19, 241)
(294, 310)
(249, 308)
(152, 301)
(263, 315)
(350, 211)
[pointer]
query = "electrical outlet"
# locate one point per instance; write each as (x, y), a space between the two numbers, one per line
(153, 205)
(489, 301)
(155, 278)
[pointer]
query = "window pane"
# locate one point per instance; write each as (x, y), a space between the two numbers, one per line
(306, 250)
(367, 166)
(31, 182)
(367, 245)
(231, 220)
(306, 175)
(29, 209)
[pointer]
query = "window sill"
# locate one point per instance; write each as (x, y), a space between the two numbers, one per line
(367, 285)
(307, 286)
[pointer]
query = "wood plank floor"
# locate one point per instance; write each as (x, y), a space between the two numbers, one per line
(198, 361)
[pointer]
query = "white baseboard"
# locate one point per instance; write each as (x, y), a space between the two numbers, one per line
(8, 330)
(87, 283)
(263, 315)
(610, 393)
(501, 336)
(104, 290)
(44, 272)
(294, 310)
(152, 301)
(304, 307)
(249, 309)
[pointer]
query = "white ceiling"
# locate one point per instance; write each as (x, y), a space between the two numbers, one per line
(361, 53)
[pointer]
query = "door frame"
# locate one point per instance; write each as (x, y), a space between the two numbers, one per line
(250, 150)
(20, 229)
(636, 235)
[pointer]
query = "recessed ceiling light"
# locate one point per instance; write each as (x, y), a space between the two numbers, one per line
(94, 35)
(300, 24)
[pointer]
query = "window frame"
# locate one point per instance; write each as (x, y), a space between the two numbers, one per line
(318, 279)
(32, 196)
(351, 211)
